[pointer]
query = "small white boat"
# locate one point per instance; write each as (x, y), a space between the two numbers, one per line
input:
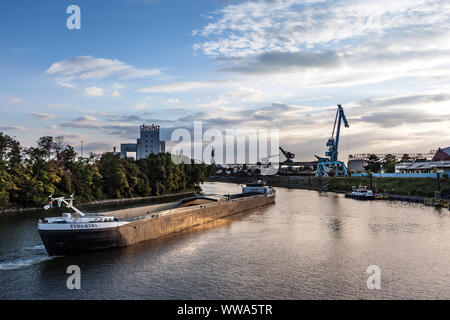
(360, 193)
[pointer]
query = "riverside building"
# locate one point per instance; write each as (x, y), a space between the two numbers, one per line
(149, 142)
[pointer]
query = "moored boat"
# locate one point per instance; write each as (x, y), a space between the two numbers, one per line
(360, 193)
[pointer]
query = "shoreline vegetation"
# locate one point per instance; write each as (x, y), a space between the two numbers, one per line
(29, 175)
(411, 187)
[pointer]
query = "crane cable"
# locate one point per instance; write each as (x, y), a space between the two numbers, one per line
(334, 126)
(348, 147)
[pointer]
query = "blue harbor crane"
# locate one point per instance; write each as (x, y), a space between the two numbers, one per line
(332, 162)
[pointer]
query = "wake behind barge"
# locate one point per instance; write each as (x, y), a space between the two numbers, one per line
(88, 232)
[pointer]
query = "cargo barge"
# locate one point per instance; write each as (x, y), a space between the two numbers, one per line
(80, 232)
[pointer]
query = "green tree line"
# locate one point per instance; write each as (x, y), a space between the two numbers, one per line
(29, 175)
(375, 164)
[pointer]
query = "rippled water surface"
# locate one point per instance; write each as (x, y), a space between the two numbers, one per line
(308, 245)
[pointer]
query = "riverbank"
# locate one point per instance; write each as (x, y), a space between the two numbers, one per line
(405, 189)
(124, 201)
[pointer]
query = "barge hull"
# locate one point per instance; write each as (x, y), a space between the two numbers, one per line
(58, 243)
(152, 228)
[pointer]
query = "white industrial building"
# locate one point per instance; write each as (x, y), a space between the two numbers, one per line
(149, 142)
(423, 167)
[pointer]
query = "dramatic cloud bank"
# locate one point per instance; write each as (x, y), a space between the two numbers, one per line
(328, 43)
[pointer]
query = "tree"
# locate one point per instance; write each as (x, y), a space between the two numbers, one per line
(4, 144)
(15, 154)
(67, 156)
(389, 163)
(405, 158)
(114, 181)
(47, 146)
(36, 159)
(6, 183)
(373, 164)
(29, 175)
(58, 146)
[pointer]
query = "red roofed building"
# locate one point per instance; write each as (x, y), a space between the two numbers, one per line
(442, 155)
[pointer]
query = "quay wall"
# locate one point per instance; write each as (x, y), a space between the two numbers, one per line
(414, 188)
(297, 182)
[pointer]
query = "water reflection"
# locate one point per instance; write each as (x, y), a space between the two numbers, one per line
(336, 226)
(308, 245)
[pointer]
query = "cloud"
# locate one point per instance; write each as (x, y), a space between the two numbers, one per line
(8, 128)
(141, 106)
(127, 118)
(94, 91)
(145, 1)
(251, 28)
(91, 68)
(393, 112)
(243, 94)
(194, 116)
(394, 119)
(14, 101)
(275, 114)
(391, 124)
(330, 44)
(236, 96)
(97, 147)
(86, 122)
(372, 63)
(178, 87)
(124, 126)
(405, 100)
(277, 61)
(102, 113)
(40, 115)
(177, 109)
(379, 124)
(172, 100)
(62, 83)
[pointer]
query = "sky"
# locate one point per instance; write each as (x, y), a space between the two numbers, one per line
(276, 64)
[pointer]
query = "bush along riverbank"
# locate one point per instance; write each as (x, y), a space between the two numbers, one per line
(29, 175)
(111, 204)
(415, 187)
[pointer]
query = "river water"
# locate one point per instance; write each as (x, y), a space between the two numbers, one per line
(308, 245)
